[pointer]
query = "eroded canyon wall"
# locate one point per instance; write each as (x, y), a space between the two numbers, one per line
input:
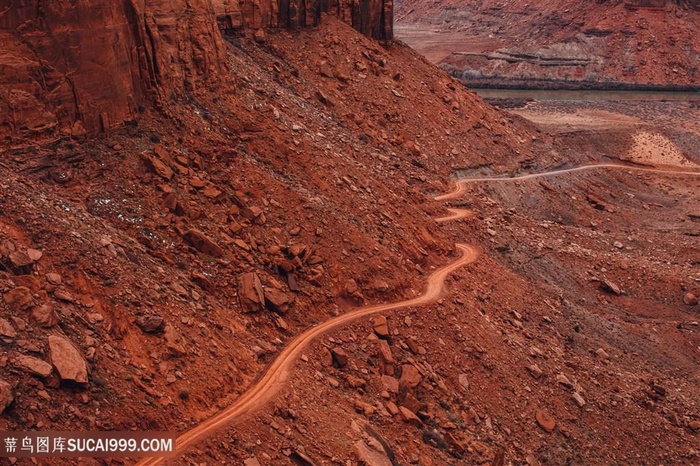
(373, 18)
(86, 65)
(69, 67)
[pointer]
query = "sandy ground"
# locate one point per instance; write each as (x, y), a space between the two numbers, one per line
(652, 137)
(560, 121)
(656, 149)
(436, 44)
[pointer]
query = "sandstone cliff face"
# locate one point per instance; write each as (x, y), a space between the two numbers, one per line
(373, 18)
(86, 66)
(73, 67)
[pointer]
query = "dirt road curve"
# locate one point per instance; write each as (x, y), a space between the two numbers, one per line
(278, 372)
(457, 214)
(461, 184)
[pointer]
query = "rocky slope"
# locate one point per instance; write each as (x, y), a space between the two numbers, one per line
(568, 43)
(60, 79)
(150, 273)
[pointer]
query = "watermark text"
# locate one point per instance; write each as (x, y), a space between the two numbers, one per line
(92, 444)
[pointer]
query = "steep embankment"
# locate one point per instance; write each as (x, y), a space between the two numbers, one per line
(568, 43)
(258, 187)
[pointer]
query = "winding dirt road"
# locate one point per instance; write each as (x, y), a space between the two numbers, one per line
(461, 185)
(456, 214)
(277, 373)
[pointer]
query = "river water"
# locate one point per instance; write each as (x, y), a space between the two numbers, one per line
(587, 95)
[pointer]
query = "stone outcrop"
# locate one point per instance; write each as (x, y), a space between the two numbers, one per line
(373, 18)
(75, 67)
(72, 67)
(7, 395)
(371, 455)
(250, 292)
(33, 366)
(67, 360)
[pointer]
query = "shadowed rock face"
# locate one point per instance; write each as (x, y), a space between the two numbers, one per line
(373, 18)
(72, 67)
(87, 65)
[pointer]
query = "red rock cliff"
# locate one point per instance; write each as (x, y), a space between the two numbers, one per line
(373, 18)
(71, 67)
(87, 65)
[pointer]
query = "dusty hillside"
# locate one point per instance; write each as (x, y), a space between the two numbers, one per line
(179, 254)
(306, 164)
(564, 43)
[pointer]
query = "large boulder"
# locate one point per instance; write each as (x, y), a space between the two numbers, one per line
(250, 292)
(7, 395)
(410, 377)
(18, 299)
(67, 360)
(202, 243)
(34, 366)
(371, 455)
